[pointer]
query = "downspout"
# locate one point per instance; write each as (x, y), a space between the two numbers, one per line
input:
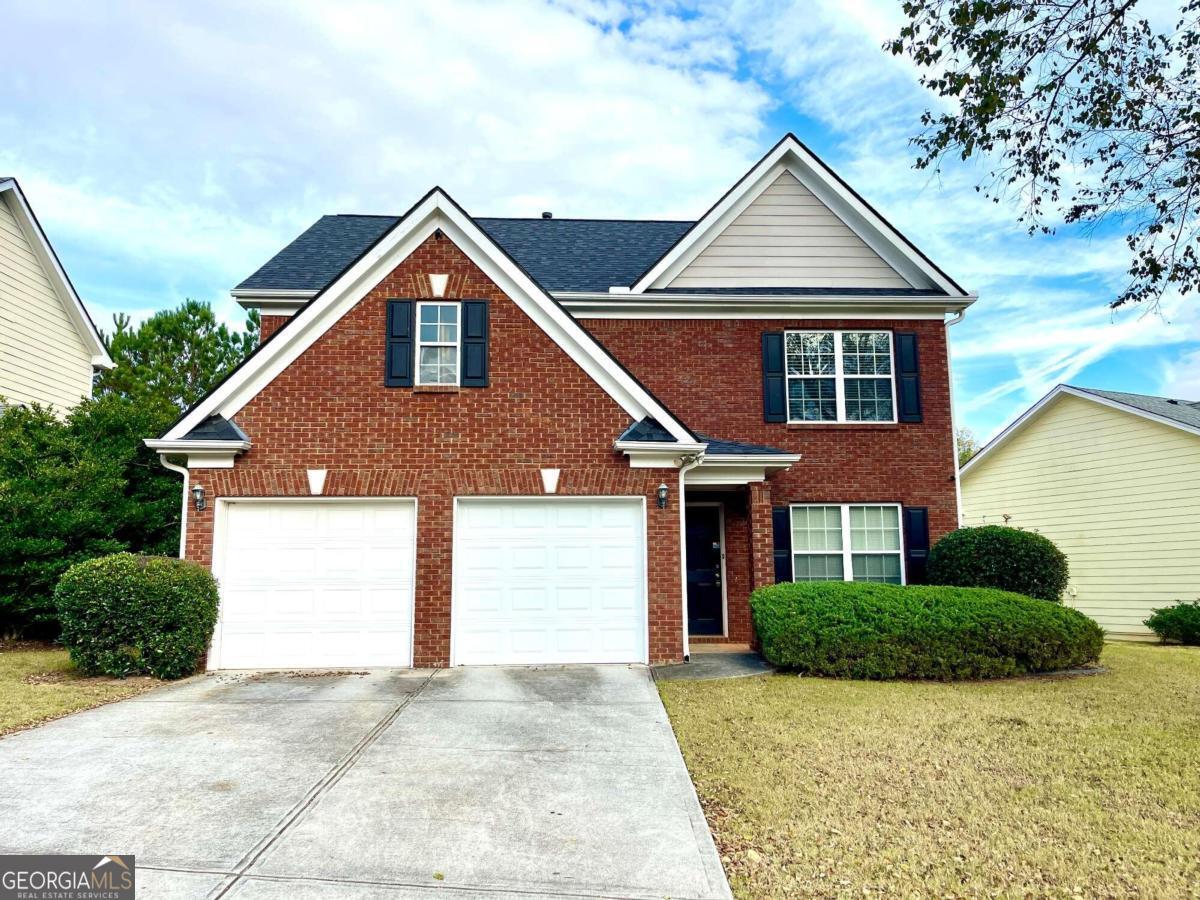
(958, 317)
(182, 470)
(686, 464)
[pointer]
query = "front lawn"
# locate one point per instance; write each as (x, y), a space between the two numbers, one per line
(38, 683)
(1085, 786)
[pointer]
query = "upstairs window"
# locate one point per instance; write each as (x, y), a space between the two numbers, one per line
(839, 376)
(847, 542)
(437, 343)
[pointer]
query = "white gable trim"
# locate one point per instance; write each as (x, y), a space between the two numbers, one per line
(436, 212)
(789, 155)
(55, 274)
(1026, 417)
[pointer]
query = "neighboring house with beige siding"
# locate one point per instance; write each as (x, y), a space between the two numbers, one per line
(49, 346)
(1114, 480)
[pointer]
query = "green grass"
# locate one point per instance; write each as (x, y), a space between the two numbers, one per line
(1085, 786)
(38, 683)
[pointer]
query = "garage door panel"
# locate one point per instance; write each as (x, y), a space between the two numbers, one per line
(549, 581)
(316, 585)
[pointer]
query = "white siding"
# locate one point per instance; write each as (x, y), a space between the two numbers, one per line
(788, 238)
(1119, 494)
(42, 358)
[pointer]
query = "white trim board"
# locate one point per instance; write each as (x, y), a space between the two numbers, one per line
(55, 273)
(436, 212)
(791, 156)
(1058, 391)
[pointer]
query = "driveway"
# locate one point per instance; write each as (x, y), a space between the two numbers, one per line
(486, 782)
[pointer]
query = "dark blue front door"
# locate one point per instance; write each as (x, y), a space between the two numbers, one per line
(704, 570)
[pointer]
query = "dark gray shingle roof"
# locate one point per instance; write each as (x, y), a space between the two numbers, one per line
(216, 428)
(560, 254)
(718, 447)
(1186, 412)
(647, 429)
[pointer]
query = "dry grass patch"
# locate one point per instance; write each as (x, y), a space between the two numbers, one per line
(1082, 786)
(38, 683)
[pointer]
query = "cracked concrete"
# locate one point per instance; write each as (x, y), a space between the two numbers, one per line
(488, 782)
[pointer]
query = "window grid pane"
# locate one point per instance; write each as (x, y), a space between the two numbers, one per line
(866, 353)
(879, 567)
(439, 365)
(817, 567)
(812, 400)
(810, 354)
(816, 528)
(874, 528)
(868, 400)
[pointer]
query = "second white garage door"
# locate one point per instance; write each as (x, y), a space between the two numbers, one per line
(558, 580)
(314, 584)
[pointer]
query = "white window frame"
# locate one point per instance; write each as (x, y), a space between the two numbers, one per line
(457, 345)
(847, 553)
(839, 378)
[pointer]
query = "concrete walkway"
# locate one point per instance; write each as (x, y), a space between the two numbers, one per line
(458, 783)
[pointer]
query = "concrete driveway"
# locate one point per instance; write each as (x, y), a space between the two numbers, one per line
(394, 783)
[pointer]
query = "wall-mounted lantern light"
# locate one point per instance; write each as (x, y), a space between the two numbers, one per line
(198, 497)
(662, 496)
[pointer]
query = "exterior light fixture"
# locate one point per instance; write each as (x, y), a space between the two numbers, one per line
(662, 496)
(198, 497)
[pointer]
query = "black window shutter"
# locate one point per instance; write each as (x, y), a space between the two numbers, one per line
(781, 531)
(916, 543)
(908, 377)
(774, 378)
(399, 365)
(475, 343)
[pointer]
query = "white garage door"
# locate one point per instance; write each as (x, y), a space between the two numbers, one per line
(549, 581)
(314, 584)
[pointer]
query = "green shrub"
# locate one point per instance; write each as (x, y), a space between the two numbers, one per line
(1180, 622)
(878, 631)
(125, 614)
(995, 556)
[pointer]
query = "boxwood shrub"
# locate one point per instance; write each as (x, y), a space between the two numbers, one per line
(997, 556)
(125, 614)
(880, 631)
(1180, 622)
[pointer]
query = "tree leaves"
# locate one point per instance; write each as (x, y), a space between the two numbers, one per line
(1087, 114)
(177, 354)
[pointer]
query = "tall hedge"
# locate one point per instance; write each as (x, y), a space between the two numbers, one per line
(997, 556)
(883, 631)
(77, 488)
(124, 615)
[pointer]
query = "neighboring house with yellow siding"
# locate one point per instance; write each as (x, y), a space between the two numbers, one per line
(49, 346)
(1114, 480)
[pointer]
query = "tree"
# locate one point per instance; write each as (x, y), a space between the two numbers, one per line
(1084, 111)
(76, 488)
(177, 354)
(968, 446)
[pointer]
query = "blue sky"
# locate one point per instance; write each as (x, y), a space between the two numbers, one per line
(169, 149)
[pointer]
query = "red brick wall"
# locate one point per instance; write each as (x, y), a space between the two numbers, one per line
(330, 410)
(270, 325)
(709, 373)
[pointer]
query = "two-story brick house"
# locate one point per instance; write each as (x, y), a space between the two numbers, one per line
(470, 441)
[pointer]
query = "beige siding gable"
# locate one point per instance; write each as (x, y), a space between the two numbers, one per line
(1118, 493)
(42, 357)
(788, 238)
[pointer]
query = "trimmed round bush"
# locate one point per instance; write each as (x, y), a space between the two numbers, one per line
(125, 615)
(1180, 622)
(883, 631)
(996, 556)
